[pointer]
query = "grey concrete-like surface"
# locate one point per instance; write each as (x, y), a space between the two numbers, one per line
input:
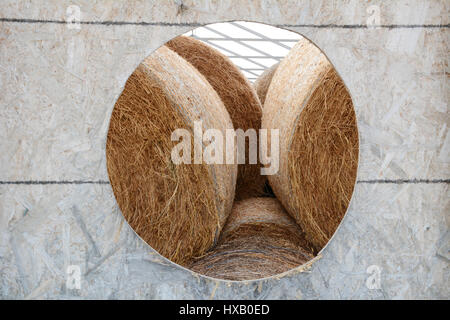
(58, 88)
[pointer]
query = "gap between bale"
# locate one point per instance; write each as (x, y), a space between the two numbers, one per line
(262, 84)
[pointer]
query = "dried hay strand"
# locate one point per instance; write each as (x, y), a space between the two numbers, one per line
(179, 210)
(259, 240)
(309, 103)
(262, 84)
(238, 96)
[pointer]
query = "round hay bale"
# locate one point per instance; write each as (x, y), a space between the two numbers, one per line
(179, 210)
(262, 84)
(259, 240)
(238, 96)
(310, 105)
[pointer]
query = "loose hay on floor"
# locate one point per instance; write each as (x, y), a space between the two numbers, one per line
(311, 106)
(239, 98)
(179, 210)
(259, 240)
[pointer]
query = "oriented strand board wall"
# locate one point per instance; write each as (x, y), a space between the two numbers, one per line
(58, 88)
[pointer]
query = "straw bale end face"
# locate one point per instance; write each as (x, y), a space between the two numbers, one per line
(310, 105)
(177, 209)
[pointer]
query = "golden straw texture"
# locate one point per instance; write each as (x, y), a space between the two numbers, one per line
(262, 84)
(310, 105)
(179, 210)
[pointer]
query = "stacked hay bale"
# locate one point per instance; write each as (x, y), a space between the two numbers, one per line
(238, 96)
(262, 84)
(179, 210)
(183, 210)
(259, 240)
(310, 105)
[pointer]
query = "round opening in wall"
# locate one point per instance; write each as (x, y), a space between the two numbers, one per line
(233, 149)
